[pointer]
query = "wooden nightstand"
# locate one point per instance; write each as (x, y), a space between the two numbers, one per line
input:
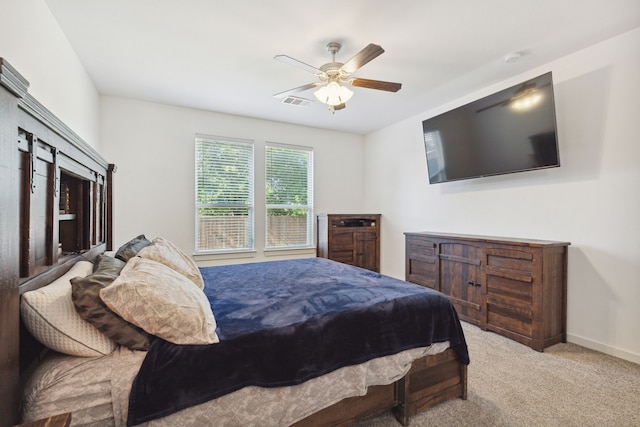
(61, 420)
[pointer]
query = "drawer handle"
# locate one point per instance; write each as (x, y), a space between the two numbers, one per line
(472, 283)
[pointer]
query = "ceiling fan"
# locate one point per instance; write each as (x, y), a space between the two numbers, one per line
(334, 75)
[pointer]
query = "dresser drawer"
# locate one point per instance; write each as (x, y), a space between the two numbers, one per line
(422, 262)
(418, 247)
(509, 318)
(500, 258)
(422, 273)
(509, 287)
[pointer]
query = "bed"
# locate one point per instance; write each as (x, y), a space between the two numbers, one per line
(417, 372)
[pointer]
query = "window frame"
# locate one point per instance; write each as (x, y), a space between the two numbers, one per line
(309, 207)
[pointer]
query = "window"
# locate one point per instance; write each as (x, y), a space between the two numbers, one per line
(289, 196)
(224, 194)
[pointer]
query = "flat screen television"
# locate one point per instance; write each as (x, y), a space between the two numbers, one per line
(513, 130)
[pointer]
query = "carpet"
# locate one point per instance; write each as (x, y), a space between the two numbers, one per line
(510, 384)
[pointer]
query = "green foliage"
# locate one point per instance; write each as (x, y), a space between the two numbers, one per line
(223, 173)
(224, 177)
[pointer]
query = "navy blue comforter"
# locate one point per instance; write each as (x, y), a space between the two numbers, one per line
(281, 323)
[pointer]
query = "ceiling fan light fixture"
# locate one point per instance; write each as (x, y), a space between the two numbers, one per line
(333, 94)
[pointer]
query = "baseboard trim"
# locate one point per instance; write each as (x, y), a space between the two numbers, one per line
(603, 348)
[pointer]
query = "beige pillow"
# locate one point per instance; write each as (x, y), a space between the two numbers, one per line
(165, 252)
(50, 316)
(161, 301)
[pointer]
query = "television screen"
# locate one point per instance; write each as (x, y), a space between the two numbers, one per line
(512, 130)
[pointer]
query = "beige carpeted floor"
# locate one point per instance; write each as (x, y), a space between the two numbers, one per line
(511, 385)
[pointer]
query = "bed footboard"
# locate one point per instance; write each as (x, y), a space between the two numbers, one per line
(430, 381)
(350, 410)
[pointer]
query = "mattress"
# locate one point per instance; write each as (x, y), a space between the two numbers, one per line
(96, 391)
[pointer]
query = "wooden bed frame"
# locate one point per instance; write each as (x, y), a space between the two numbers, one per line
(56, 209)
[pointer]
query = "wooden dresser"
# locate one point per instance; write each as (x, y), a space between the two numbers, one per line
(515, 287)
(350, 239)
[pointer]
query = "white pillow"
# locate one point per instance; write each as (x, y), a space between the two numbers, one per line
(161, 301)
(50, 316)
(165, 252)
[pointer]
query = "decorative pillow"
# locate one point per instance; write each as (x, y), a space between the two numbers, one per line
(85, 293)
(165, 252)
(50, 316)
(161, 301)
(132, 247)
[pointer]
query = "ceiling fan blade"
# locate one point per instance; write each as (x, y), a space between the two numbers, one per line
(376, 84)
(367, 54)
(339, 106)
(291, 61)
(297, 89)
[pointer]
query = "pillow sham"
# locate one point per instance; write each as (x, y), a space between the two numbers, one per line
(50, 316)
(161, 301)
(85, 293)
(165, 252)
(132, 247)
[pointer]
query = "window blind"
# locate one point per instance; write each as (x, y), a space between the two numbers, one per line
(289, 196)
(224, 194)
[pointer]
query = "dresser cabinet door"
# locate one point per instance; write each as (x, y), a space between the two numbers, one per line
(460, 279)
(365, 250)
(342, 247)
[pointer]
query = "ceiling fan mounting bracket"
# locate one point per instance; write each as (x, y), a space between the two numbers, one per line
(333, 47)
(331, 71)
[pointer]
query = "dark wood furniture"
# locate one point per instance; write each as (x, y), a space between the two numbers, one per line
(55, 189)
(430, 381)
(350, 239)
(60, 420)
(515, 287)
(55, 209)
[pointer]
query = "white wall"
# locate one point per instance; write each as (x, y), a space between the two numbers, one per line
(592, 200)
(33, 43)
(153, 147)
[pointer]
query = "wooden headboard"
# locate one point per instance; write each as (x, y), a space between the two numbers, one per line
(55, 209)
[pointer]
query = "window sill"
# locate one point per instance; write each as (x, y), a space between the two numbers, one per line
(289, 251)
(223, 255)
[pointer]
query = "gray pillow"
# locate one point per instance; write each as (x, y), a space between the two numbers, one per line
(85, 293)
(132, 247)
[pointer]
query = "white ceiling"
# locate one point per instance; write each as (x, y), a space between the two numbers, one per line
(218, 55)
